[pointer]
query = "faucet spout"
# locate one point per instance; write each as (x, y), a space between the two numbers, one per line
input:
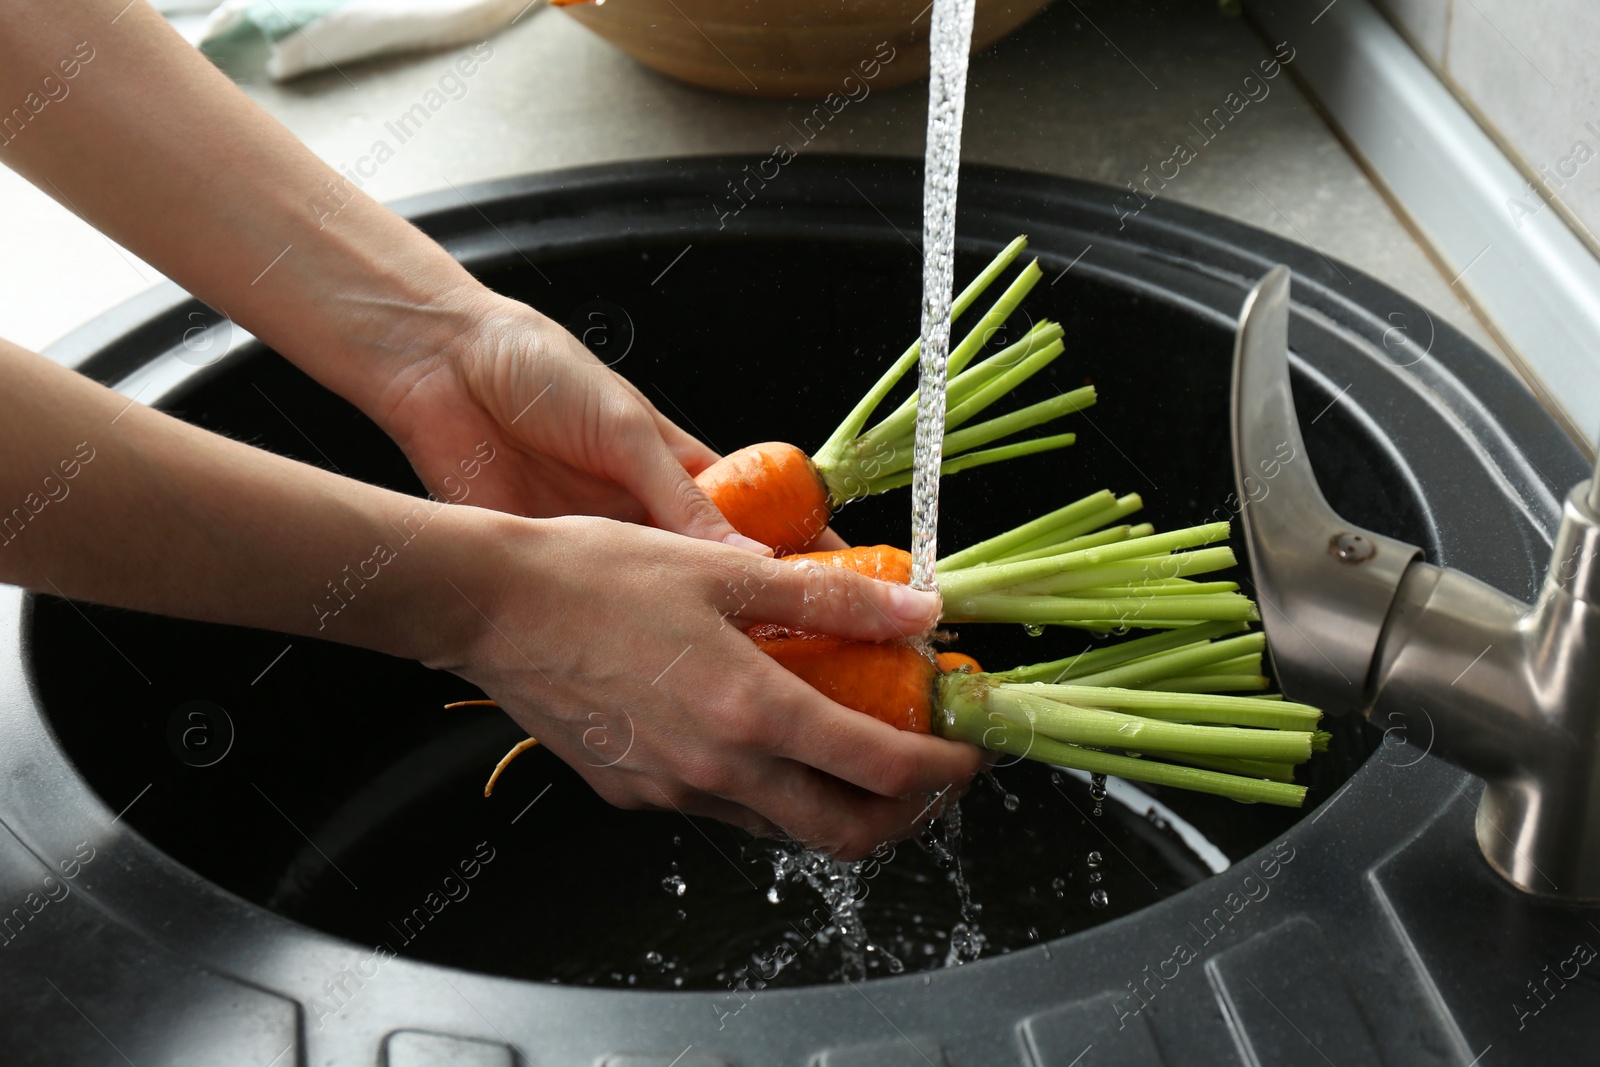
(1357, 621)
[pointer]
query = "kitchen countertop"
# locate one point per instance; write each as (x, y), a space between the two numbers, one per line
(1090, 90)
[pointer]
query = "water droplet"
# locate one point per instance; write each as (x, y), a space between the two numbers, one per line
(1033, 629)
(1033, 934)
(1095, 859)
(675, 885)
(653, 958)
(677, 841)
(678, 980)
(1055, 777)
(1099, 898)
(1095, 876)
(682, 914)
(1060, 886)
(1012, 802)
(773, 896)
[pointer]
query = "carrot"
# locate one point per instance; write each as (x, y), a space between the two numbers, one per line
(775, 494)
(1077, 566)
(1233, 746)
(957, 662)
(771, 492)
(890, 681)
(883, 562)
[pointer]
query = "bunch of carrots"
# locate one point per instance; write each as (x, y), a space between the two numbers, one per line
(1164, 708)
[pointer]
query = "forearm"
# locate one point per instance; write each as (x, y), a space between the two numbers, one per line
(158, 149)
(117, 503)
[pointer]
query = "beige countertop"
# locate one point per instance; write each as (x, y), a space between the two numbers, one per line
(1089, 90)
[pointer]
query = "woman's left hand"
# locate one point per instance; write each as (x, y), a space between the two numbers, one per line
(570, 436)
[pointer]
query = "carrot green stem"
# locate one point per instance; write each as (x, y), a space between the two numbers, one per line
(1043, 526)
(901, 422)
(1112, 613)
(1091, 659)
(1049, 544)
(1148, 574)
(965, 384)
(966, 718)
(1021, 419)
(978, 459)
(1195, 659)
(1184, 707)
(1214, 683)
(851, 427)
(1079, 725)
(1250, 768)
(973, 580)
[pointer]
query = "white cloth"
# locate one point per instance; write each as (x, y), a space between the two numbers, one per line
(309, 35)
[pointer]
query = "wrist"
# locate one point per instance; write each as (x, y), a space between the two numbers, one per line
(445, 610)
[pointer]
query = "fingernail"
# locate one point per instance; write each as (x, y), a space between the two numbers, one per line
(914, 605)
(749, 544)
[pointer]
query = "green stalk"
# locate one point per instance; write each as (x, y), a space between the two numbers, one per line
(1093, 660)
(852, 425)
(1250, 664)
(1112, 612)
(968, 719)
(1146, 572)
(1021, 419)
(1250, 768)
(1048, 548)
(902, 421)
(1001, 384)
(969, 581)
(1079, 725)
(963, 385)
(1213, 683)
(1178, 662)
(1043, 526)
(1186, 707)
(978, 459)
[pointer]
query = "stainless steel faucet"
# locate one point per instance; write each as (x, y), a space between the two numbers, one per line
(1358, 621)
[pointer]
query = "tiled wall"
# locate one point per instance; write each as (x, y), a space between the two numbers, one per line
(1531, 69)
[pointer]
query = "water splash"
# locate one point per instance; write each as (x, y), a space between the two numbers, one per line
(839, 885)
(967, 941)
(949, 43)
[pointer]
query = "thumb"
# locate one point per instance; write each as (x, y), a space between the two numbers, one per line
(807, 595)
(677, 504)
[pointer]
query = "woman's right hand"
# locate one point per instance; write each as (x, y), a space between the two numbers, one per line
(622, 649)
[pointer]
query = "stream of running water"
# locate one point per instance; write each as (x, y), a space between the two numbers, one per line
(949, 43)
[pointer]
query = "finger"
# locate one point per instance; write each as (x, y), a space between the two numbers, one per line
(807, 595)
(690, 451)
(865, 752)
(714, 807)
(830, 816)
(675, 503)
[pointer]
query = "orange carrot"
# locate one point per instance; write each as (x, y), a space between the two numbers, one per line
(771, 492)
(957, 661)
(883, 562)
(890, 681)
(776, 494)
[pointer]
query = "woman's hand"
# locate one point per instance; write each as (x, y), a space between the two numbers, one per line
(572, 436)
(575, 437)
(622, 650)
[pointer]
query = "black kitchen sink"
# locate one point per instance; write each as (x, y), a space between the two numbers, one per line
(280, 830)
